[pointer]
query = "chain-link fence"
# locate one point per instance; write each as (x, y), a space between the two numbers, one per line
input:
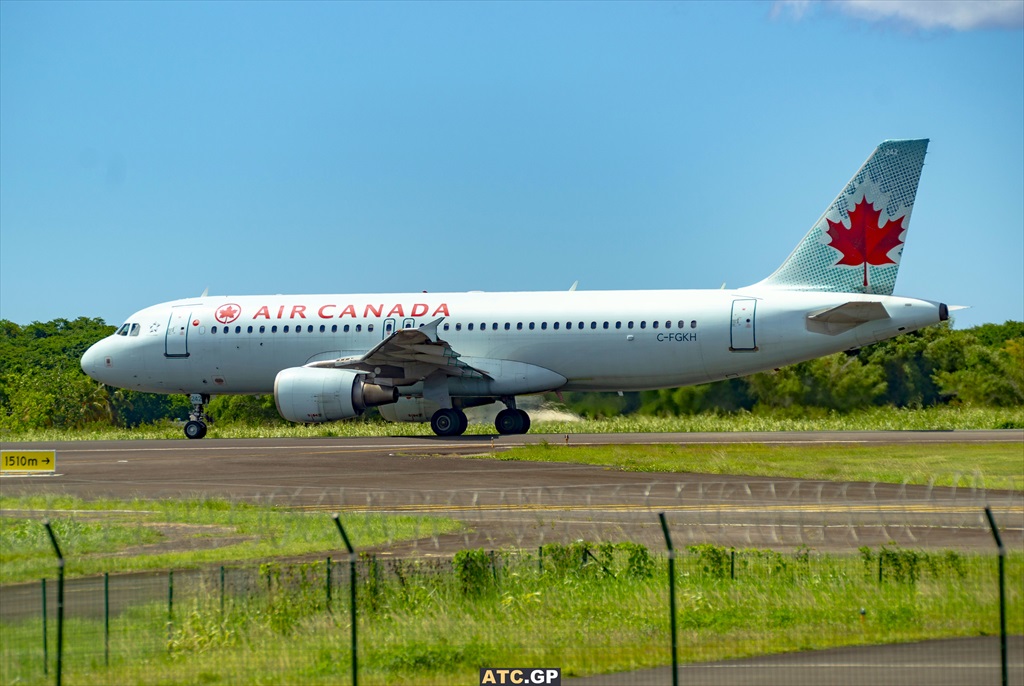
(772, 583)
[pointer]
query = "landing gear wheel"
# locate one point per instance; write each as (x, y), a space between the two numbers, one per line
(194, 429)
(449, 422)
(196, 426)
(509, 421)
(525, 419)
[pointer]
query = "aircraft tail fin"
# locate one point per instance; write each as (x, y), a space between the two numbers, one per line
(856, 245)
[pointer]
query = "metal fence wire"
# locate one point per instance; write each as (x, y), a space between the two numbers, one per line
(866, 588)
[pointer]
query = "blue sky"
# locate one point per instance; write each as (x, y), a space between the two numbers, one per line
(149, 151)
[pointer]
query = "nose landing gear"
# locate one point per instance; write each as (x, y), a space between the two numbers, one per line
(195, 427)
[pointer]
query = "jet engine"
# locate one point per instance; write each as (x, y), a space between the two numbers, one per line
(308, 394)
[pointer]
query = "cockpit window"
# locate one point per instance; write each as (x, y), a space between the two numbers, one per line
(123, 331)
(136, 328)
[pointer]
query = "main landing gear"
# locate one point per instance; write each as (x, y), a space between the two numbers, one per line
(195, 427)
(452, 421)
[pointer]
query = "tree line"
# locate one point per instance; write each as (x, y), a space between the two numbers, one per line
(42, 385)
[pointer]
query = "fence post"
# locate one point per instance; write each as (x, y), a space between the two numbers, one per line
(170, 607)
(46, 652)
(881, 556)
(60, 599)
(1002, 594)
(106, 619)
(222, 589)
(671, 597)
(540, 559)
(352, 595)
(732, 565)
(328, 584)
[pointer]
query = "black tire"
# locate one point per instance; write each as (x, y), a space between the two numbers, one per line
(447, 422)
(524, 421)
(194, 429)
(509, 422)
(463, 422)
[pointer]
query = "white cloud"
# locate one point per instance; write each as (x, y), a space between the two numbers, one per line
(959, 15)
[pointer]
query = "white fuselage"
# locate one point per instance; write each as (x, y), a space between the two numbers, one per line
(595, 340)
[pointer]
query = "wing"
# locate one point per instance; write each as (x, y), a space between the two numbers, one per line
(406, 357)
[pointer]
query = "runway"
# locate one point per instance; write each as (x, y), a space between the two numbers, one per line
(528, 503)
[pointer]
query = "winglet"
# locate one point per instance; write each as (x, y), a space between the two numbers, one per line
(430, 330)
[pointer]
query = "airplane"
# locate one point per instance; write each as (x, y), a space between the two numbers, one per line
(430, 356)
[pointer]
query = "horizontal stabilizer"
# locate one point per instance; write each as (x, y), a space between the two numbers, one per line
(837, 320)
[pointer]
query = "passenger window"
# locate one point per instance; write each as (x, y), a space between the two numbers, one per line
(483, 327)
(593, 325)
(135, 330)
(285, 329)
(519, 326)
(359, 328)
(334, 328)
(508, 326)
(250, 330)
(682, 324)
(263, 329)
(273, 329)
(494, 326)
(447, 326)
(369, 327)
(581, 325)
(618, 325)
(629, 325)
(668, 325)
(238, 329)
(543, 326)
(655, 324)
(693, 324)
(555, 325)
(643, 324)
(458, 327)
(470, 326)
(606, 325)
(531, 326)
(323, 328)
(345, 330)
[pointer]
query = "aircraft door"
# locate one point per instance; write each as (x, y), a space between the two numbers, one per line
(742, 332)
(176, 338)
(408, 323)
(388, 329)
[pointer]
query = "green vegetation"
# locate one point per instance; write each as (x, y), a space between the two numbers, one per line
(989, 465)
(122, 536)
(973, 378)
(587, 608)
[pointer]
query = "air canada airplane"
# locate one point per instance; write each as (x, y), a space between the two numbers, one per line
(429, 356)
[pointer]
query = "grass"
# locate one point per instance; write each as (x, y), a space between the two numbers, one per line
(947, 418)
(421, 623)
(123, 536)
(989, 465)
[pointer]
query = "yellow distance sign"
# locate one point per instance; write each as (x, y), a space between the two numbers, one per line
(20, 461)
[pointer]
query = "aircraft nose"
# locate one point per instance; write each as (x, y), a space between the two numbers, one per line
(94, 361)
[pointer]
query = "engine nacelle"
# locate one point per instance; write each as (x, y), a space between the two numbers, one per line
(309, 394)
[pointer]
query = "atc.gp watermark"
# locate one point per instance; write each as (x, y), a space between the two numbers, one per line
(520, 676)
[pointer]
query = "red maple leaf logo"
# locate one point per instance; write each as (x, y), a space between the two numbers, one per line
(865, 241)
(228, 313)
